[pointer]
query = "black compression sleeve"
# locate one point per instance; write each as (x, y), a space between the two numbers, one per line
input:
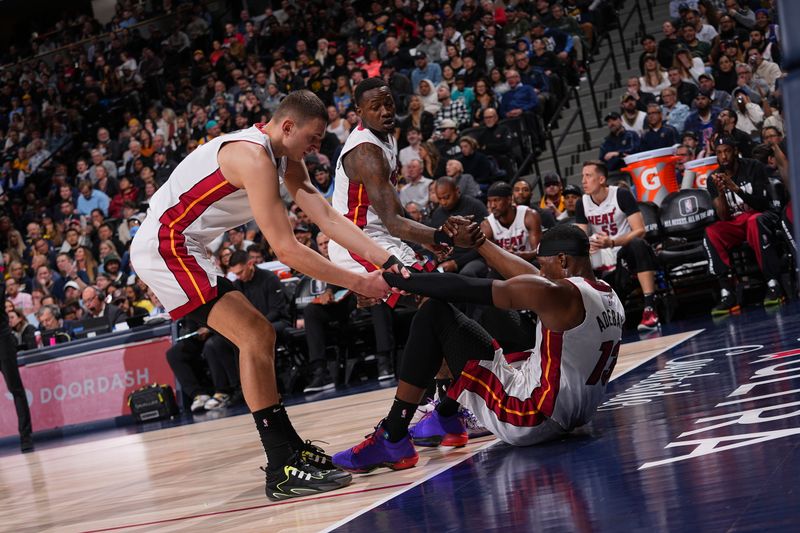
(444, 286)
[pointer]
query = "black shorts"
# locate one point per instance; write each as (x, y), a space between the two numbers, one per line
(200, 315)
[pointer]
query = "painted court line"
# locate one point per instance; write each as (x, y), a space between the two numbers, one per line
(240, 509)
(408, 487)
(684, 337)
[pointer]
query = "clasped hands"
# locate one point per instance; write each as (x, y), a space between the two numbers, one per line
(724, 182)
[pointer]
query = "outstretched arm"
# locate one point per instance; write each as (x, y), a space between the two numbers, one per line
(366, 164)
(558, 304)
(504, 262)
(330, 221)
(247, 166)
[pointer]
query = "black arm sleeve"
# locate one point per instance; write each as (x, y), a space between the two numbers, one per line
(444, 286)
(627, 202)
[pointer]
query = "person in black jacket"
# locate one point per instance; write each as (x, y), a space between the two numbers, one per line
(496, 141)
(618, 144)
(185, 358)
(330, 307)
(10, 369)
(399, 84)
(97, 307)
(263, 289)
(465, 261)
(656, 133)
(23, 332)
(475, 162)
(417, 118)
(740, 189)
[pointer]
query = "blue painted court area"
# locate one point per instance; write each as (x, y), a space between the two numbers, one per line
(705, 437)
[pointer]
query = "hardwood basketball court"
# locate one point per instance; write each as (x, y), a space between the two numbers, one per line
(205, 476)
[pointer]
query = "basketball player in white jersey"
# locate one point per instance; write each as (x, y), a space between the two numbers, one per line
(557, 389)
(366, 186)
(365, 192)
(515, 228)
(611, 216)
(226, 183)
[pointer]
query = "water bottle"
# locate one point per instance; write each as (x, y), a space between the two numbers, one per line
(38, 335)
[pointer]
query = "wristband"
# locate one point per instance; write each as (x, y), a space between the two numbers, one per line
(440, 237)
(393, 260)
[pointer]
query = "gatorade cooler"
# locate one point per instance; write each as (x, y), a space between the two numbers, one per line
(695, 174)
(653, 173)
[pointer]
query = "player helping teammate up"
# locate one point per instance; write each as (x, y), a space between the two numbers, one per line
(226, 183)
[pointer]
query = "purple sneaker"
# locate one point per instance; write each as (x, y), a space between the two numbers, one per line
(377, 451)
(434, 429)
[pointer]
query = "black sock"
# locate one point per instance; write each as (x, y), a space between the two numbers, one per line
(649, 300)
(400, 415)
(726, 283)
(447, 407)
(274, 438)
(294, 439)
(441, 387)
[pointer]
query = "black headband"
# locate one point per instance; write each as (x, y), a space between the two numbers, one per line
(552, 247)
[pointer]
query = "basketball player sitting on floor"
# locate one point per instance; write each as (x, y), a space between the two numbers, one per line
(226, 183)
(562, 382)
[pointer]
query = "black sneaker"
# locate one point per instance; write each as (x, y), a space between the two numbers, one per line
(726, 305)
(774, 296)
(298, 478)
(320, 381)
(315, 456)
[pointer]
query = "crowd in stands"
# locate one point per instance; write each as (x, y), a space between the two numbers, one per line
(94, 117)
(713, 83)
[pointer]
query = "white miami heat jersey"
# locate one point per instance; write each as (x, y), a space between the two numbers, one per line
(197, 201)
(350, 197)
(514, 238)
(578, 362)
(194, 207)
(607, 216)
(561, 384)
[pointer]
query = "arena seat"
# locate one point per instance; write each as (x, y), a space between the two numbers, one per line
(684, 216)
(652, 222)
